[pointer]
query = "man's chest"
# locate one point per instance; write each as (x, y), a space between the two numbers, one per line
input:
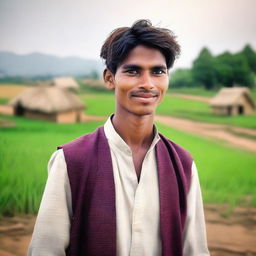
(137, 205)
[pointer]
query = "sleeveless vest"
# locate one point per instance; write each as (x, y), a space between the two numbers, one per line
(90, 172)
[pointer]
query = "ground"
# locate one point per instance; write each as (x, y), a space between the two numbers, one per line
(232, 235)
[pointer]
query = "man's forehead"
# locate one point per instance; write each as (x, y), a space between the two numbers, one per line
(144, 52)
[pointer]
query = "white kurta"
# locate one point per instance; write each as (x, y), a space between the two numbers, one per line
(137, 206)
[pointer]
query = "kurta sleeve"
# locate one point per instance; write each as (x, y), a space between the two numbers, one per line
(51, 231)
(195, 241)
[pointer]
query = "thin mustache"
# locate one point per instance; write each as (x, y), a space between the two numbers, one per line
(138, 92)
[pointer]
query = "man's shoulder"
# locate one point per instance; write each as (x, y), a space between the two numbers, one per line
(84, 140)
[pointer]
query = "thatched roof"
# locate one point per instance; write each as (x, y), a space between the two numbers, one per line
(47, 99)
(94, 83)
(65, 83)
(231, 96)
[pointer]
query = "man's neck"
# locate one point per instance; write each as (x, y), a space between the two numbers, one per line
(136, 131)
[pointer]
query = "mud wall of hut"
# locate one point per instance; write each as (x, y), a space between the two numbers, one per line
(241, 107)
(62, 117)
(69, 116)
(40, 115)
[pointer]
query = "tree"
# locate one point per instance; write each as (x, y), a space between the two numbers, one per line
(250, 56)
(224, 69)
(233, 69)
(241, 70)
(203, 69)
(182, 78)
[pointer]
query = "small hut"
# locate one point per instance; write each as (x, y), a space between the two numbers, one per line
(49, 103)
(233, 101)
(65, 83)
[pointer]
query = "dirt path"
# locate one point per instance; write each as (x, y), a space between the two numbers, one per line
(227, 133)
(233, 235)
(216, 131)
(15, 235)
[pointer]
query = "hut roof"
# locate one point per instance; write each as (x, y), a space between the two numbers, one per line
(47, 99)
(94, 83)
(65, 82)
(231, 96)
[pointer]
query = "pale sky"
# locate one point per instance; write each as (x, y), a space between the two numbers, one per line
(79, 27)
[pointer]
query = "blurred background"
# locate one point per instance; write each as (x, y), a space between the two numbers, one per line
(51, 92)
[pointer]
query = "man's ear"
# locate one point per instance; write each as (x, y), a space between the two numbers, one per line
(109, 79)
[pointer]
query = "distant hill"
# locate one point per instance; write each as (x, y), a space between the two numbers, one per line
(38, 64)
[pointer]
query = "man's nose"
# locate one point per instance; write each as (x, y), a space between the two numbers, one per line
(146, 82)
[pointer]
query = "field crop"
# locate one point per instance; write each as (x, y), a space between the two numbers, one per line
(227, 175)
(99, 104)
(24, 153)
(10, 90)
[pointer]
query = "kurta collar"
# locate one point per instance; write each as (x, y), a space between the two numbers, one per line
(118, 142)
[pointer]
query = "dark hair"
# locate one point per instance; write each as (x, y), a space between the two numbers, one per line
(122, 40)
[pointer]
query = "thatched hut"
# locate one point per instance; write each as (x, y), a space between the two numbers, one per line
(65, 83)
(50, 104)
(233, 101)
(93, 83)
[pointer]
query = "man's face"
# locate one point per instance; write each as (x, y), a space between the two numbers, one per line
(140, 81)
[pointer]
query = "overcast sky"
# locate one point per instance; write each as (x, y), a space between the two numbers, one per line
(79, 27)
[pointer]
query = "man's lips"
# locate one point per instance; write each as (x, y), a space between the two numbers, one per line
(144, 94)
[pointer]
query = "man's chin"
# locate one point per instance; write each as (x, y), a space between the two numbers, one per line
(143, 113)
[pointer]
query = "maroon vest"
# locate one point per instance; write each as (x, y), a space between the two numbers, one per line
(93, 225)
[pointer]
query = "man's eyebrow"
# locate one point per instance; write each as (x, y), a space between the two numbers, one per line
(159, 67)
(133, 66)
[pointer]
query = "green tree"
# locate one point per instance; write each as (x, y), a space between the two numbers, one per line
(224, 69)
(250, 56)
(182, 78)
(203, 69)
(241, 70)
(233, 69)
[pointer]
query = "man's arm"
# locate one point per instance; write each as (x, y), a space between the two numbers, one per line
(195, 241)
(51, 231)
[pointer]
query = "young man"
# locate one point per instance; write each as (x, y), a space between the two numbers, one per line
(125, 189)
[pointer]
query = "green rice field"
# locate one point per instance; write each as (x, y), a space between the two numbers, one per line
(227, 175)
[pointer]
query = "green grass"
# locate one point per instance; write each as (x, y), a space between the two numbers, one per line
(99, 104)
(197, 91)
(4, 100)
(227, 175)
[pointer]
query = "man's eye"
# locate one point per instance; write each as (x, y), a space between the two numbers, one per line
(158, 72)
(132, 72)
